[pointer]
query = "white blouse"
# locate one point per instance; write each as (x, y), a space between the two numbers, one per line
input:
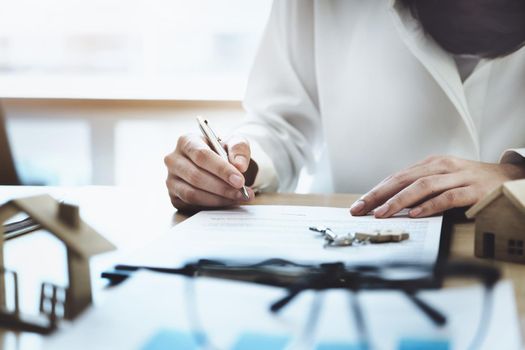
(355, 90)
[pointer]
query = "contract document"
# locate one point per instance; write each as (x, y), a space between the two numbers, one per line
(261, 232)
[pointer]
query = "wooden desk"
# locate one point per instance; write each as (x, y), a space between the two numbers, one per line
(129, 218)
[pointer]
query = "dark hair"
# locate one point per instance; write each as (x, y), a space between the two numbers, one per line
(488, 28)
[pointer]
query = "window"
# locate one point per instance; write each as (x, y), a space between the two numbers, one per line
(515, 247)
(158, 49)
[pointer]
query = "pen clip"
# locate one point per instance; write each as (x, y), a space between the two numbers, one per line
(214, 142)
(207, 130)
(212, 132)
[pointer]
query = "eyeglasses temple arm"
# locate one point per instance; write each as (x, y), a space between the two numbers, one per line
(435, 315)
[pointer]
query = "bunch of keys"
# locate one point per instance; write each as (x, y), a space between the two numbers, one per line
(332, 239)
(359, 238)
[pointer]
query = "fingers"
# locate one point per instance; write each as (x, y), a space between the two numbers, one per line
(196, 149)
(186, 196)
(454, 198)
(397, 182)
(420, 189)
(239, 154)
(386, 189)
(203, 180)
(195, 196)
(199, 178)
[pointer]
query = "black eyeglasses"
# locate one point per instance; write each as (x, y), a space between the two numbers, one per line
(407, 278)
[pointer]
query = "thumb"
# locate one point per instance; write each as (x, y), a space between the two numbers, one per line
(238, 149)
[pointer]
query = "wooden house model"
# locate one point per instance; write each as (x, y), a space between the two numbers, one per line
(81, 241)
(500, 223)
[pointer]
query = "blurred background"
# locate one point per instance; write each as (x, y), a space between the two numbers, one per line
(97, 92)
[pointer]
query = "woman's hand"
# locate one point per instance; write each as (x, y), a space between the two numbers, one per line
(434, 185)
(199, 178)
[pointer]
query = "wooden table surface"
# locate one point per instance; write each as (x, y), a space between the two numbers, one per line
(129, 218)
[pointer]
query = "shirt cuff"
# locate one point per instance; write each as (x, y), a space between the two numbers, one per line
(514, 156)
(266, 179)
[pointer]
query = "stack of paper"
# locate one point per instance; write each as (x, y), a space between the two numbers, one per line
(261, 232)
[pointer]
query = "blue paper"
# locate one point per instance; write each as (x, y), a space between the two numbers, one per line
(424, 344)
(257, 341)
(174, 339)
(340, 346)
(171, 339)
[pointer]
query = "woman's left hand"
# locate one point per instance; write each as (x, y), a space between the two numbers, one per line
(434, 185)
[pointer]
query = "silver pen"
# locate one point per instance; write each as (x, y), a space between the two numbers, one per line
(215, 143)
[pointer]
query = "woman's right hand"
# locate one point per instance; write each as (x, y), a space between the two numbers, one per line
(199, 178)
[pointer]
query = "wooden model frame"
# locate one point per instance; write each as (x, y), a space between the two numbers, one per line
(500, 223)
(63, 221)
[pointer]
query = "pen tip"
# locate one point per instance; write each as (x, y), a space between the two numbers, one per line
(245, 193)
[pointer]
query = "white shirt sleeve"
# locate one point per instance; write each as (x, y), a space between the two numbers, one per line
(281, 98)
(514, 155)
(266, 178)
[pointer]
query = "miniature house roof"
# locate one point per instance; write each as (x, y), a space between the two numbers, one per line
(80, 238)
(514, 191)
